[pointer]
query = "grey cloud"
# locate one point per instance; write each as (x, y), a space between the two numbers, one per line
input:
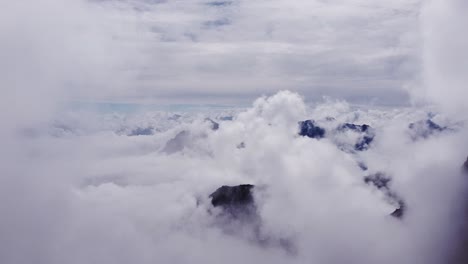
(444, 56)
(260, 47)
(85, 192)
(99, 196)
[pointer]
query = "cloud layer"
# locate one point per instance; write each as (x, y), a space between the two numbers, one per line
(100, 195)
(225, 51)
(445, 55)
(90, 187)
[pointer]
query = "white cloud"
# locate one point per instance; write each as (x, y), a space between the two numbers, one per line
(79, 190)
(102, 196)
(444, 55)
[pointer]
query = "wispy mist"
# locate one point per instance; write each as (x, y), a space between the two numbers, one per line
(87, 185)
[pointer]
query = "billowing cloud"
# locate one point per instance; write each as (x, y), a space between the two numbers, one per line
(81, 186)
(100, 195)
(444, 55)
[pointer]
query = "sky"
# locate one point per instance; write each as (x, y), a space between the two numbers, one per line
(196, 51)
(231, 52)
(109, 155)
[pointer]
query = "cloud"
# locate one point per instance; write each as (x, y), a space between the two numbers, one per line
(197, 51)
(444, 55)
(74, 188)
(102, 196)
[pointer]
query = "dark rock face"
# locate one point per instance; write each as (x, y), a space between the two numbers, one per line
(364, 143)
(424, 129)
(398, 213)
(362, 166)
(308, 128)
(177, 143)
(378, 180)
(367, 135)
(239, 213)
(382, 182)
(460, 253)
(213, 125)
(465, 166)
(358, 128)
(174, 117)
(234, 200)
(226, 118)
(241, 145)
(139, 131)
